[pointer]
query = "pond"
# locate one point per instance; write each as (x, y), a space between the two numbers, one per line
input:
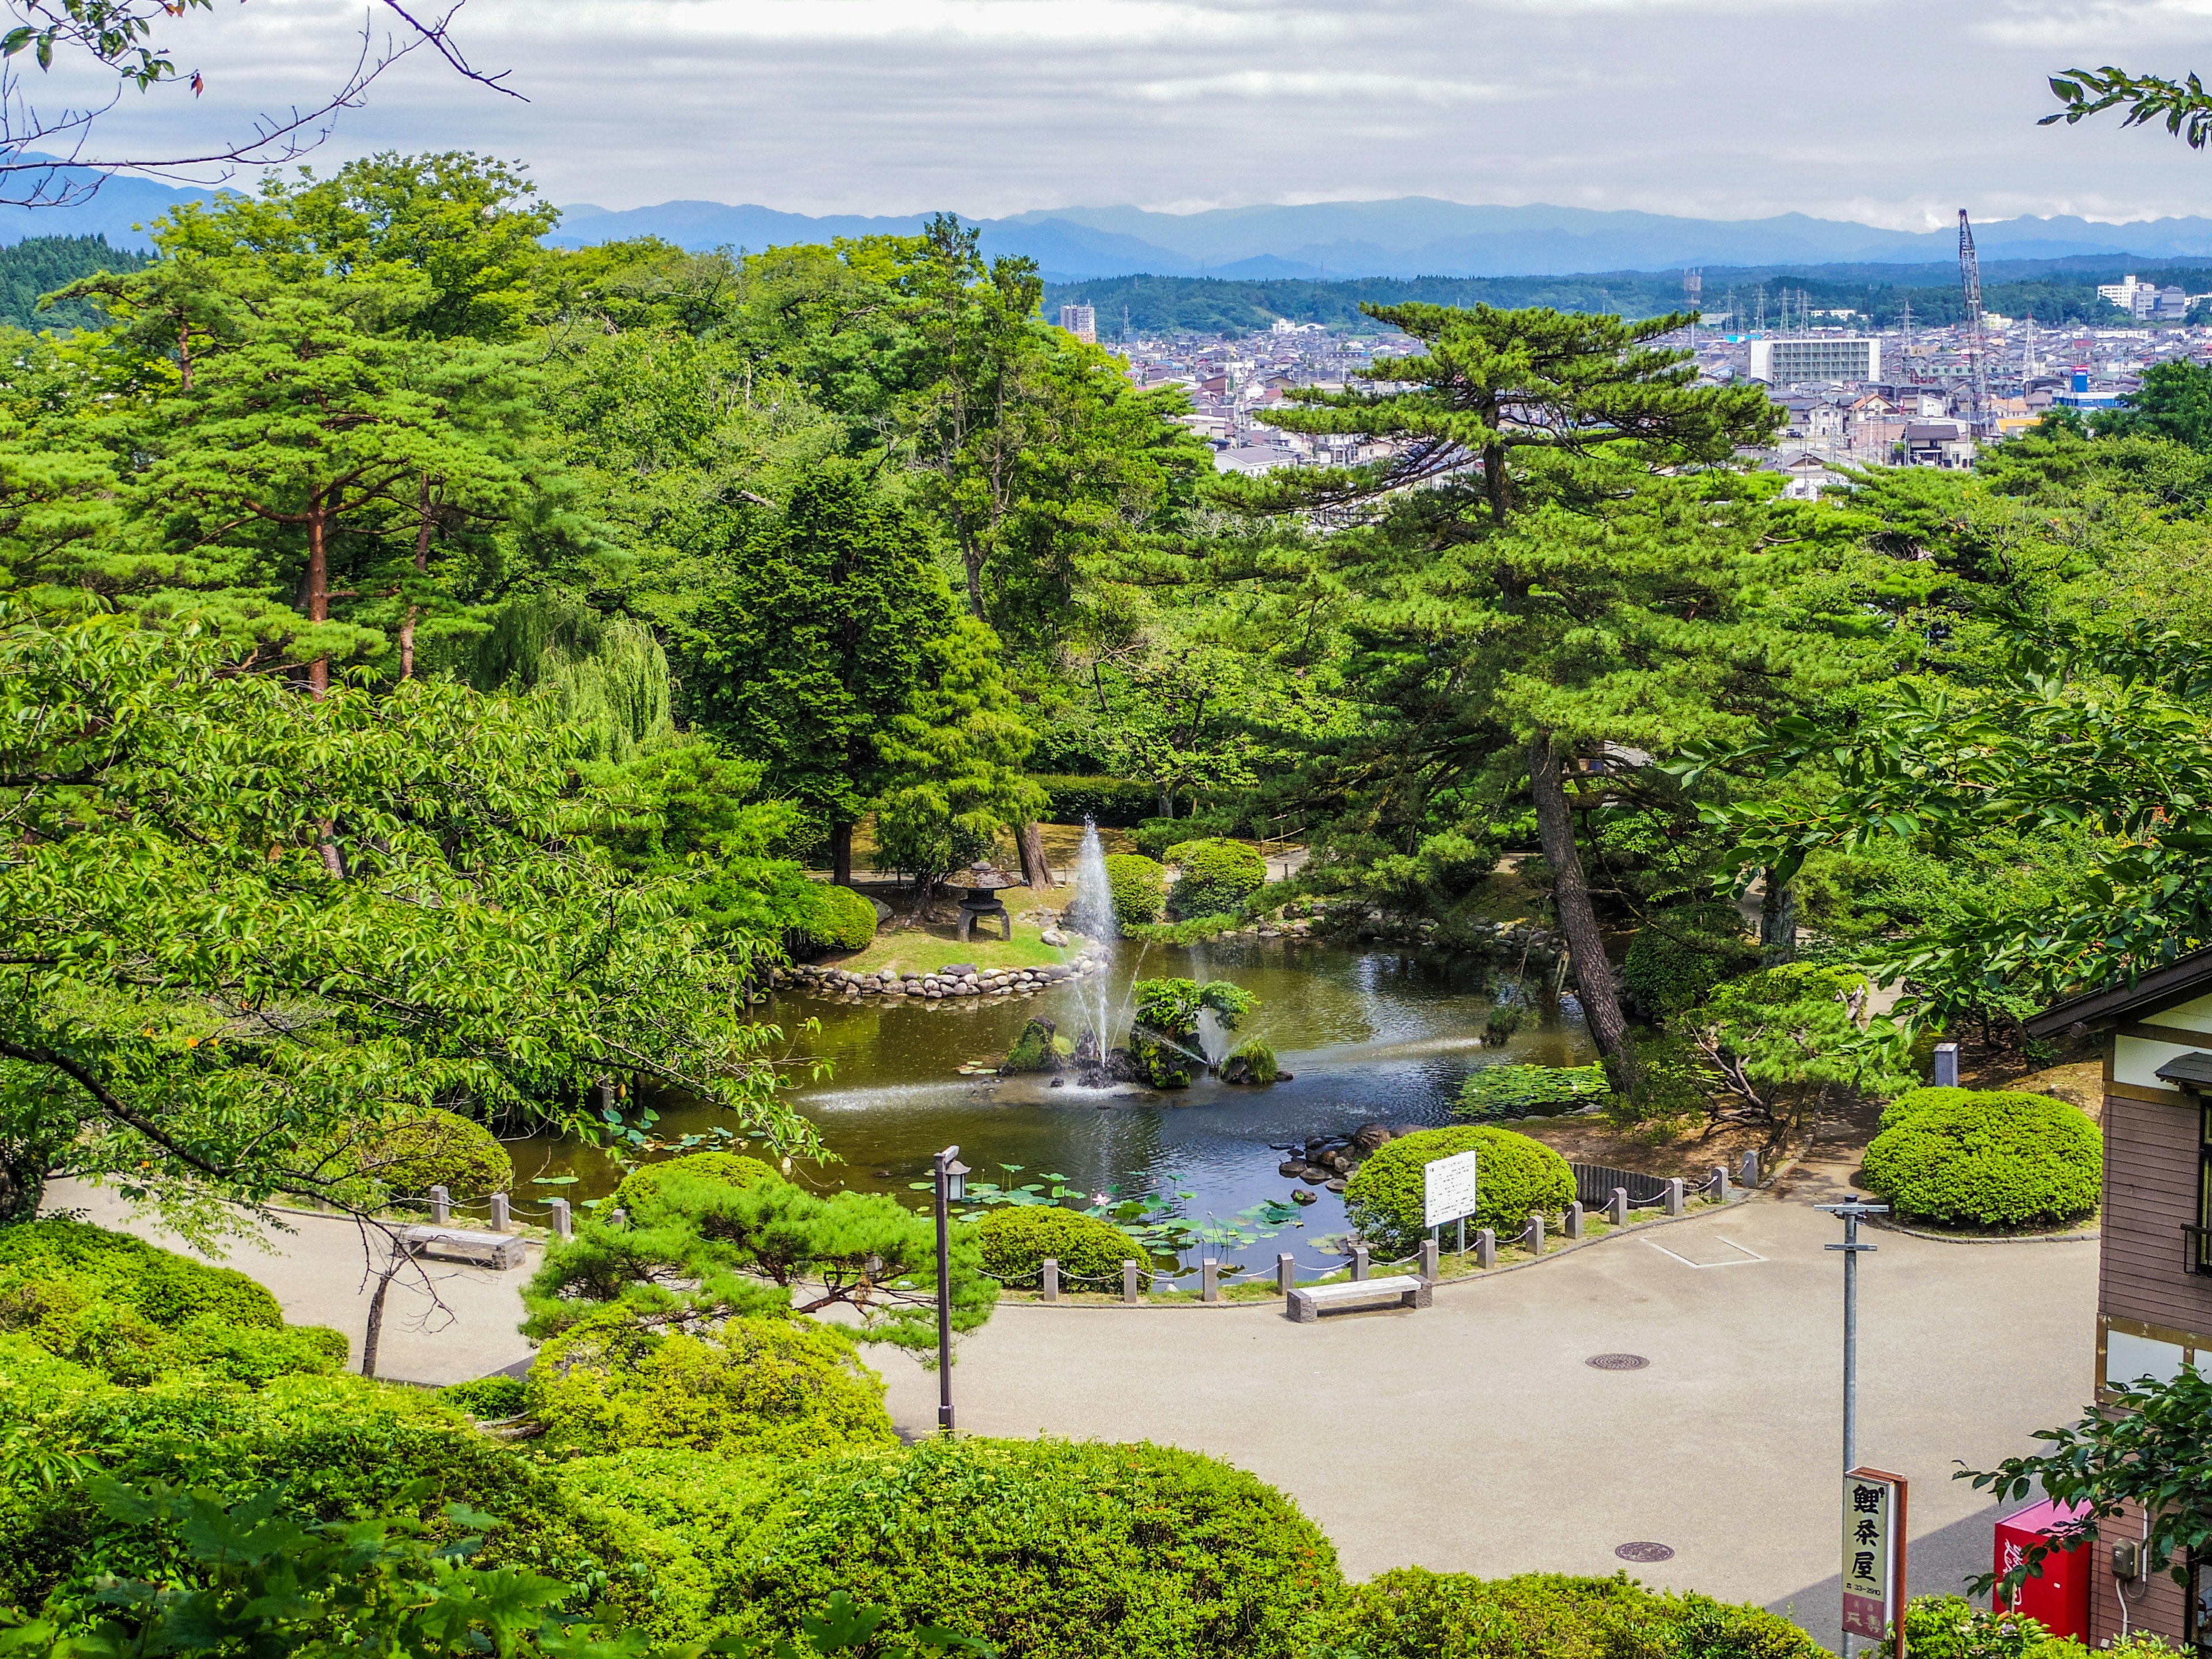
(1368, 1034)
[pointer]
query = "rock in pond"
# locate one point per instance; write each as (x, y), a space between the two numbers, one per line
(1301, 1195)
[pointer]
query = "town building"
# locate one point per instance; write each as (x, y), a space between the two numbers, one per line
(1819, 357)
(1081, 321)
(2155, 1245)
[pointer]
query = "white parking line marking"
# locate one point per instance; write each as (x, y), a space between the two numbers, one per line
(1744, 1255)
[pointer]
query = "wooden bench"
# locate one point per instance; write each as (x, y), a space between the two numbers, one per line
(1308, 1300)
(455, 1244)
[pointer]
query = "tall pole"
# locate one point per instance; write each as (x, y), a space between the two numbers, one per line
(944, 1160)
(1852, 1213)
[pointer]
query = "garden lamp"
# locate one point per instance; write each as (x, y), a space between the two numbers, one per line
(952, 1188)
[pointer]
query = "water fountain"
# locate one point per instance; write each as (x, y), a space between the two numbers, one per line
(1098, 1061)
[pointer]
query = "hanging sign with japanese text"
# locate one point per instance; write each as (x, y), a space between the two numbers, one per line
(1448, 1188)
(1873, 1552)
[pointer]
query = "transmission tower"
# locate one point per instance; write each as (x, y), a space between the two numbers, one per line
(1970, 278)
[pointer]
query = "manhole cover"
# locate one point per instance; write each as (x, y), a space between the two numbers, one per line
(1644, 1552)
(1621, 1362)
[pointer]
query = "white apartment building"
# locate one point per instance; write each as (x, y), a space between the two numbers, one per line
(1081, 321)
(1786, 362)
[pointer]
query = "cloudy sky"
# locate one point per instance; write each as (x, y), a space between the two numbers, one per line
(1892, 111)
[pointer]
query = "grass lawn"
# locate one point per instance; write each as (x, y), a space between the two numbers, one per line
(924, 949)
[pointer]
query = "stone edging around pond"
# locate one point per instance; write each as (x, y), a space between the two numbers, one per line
(808, 978)
(1968, 1238)
(1274, 1300)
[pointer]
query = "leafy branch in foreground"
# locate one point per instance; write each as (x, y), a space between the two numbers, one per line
(2148, 1446)
(241, 929)
(2184, 106)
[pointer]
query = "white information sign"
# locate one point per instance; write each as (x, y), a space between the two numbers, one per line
(1448, 1188)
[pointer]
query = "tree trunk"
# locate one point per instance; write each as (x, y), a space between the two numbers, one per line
(1037, 873)
(373, 1336)
(318, 592)
(1601, 998)
(840, 853)
(1778, 922)
(423, 523)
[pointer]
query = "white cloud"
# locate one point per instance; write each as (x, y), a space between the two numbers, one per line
(1895, 111)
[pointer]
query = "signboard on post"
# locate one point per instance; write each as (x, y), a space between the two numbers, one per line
(1448, 1188)
(1874, 1555)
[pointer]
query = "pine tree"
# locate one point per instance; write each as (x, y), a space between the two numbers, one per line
(1557, 555)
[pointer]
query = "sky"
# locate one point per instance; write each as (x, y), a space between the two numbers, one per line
(1893, 112)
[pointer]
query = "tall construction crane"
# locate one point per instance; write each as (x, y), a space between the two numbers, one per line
(1970, 278)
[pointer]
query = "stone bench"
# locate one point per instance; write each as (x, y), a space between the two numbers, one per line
(1308, 1300)
(455, 1244)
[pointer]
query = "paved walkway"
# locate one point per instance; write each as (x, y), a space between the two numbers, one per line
(1471, 1435)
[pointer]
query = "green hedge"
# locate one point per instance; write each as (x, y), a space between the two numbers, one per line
(164, 1288)
(1514, 1091)
(431, 1148)
(1111, 803)
(1216, 877)
(835, 918)
(1017, 1238)
(1411, 1613)
(1952, 1627)
(786, 1388)
(1139, 887)
(1048, 1550)
(1987, 1160)
(1913, 1102)
(643, 1184)
(488, 1397)
(1518, 1174)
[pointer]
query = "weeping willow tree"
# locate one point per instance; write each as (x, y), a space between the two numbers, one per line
(606, 677)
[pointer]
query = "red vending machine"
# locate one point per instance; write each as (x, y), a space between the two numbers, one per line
(2059, 1599)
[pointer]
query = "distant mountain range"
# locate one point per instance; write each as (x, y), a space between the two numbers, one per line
(1410, 236)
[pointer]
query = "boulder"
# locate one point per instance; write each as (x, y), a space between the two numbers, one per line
(1300, 1195)
(1336, 1186)
(1293, 1168)
(956, 969)
(1053, 936)
(1313, 1176)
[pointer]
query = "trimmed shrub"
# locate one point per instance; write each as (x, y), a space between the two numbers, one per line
(1989, 1160)
(643, 1184)
(679, 1519)
(783, 1388)
(165, 1288)
(1217, 877)
(488, 1398)
(1411, 1613)
(1518, 1175)
(333, 1442)
(1046, 1550)
(1913, 1102)
(1139, 888)
(1110, 803)
(1952, 1627)
(1515, 1091)
(834, 918)
(1678, 956)
(431, 1148)
(1017, 1238)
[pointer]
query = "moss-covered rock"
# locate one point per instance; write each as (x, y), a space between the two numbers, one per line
(1035, 1050)
(1251, 1061)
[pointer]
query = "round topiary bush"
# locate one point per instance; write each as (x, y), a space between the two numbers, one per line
(643, 1184)
(163, 1288)
(1913, 1102)
(835, 918)
(1017, 1239)
(1139, 887)
(1989, 1160)
(1216, 877)
(1679, 955)
(1411, 1613)
(1518, 1174)
(1046, 1549)
(779, 1388)
(433, 1148)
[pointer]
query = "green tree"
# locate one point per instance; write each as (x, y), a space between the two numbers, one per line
(1557, 556)
(816, 641)
(700, 1249)
(2175, 402)
(241, 930)
(955, 754)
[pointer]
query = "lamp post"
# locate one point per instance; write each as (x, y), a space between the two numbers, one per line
(951, 1187)
(1851, 1214)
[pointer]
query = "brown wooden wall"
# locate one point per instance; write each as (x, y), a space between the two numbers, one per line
(2150, 1191)
(2154, 1602)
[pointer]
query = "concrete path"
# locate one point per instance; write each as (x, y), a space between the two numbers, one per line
(1471, 1435)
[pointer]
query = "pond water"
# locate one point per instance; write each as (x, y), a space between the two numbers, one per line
(1368, 1034)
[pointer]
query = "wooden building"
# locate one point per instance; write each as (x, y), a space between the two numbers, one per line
(2154, 1276)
